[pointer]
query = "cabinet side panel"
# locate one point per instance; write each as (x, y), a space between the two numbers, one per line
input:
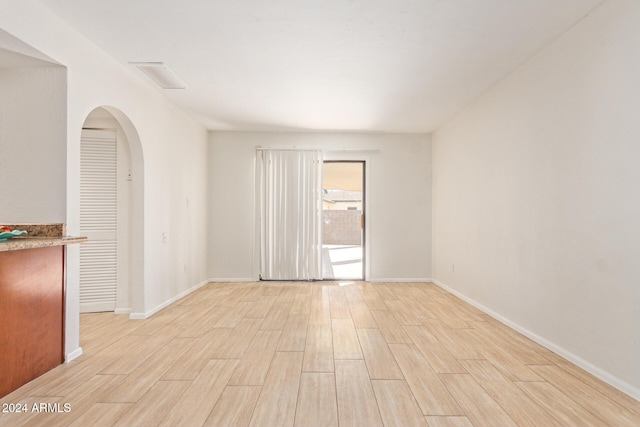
(31, 314)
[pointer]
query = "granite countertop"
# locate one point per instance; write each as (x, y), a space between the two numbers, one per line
(39, 236)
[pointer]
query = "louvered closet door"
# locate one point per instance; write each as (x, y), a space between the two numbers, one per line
(98, 220)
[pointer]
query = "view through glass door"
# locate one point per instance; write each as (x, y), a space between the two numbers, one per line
(343, 220)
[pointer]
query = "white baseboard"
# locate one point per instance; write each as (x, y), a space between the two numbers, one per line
(73, 355)
(122, 311)
(146, 315)
(96, 307)
(378, 279)
(605, 376)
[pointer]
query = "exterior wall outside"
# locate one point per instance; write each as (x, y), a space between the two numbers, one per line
(341, 227)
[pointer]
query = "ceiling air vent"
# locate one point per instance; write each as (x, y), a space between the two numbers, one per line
(160, 74)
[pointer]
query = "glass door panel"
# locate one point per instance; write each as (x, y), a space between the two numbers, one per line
(343, 220)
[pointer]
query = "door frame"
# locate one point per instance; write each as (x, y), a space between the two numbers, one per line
(358, 157)
(328, 155)
(105, 119)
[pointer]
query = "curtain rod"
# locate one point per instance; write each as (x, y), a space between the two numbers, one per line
(341, 149)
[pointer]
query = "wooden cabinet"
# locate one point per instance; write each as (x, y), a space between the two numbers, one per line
(31, 314)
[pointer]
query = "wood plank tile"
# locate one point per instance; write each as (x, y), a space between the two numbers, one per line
(522, 379)
(252, 369)
(357, 405)
(396, 403)
(461, 343)
(489, 333)
(520, 407)
(513, 335)
(396, 335)
(191, 314)
(232, 318)
(440, 359)
(318, 351)
(385, 291)
(194, 315)
(339, 306)
(27, 414)
(390, 326)
(417, 303)
(459, 308)
(294, 335)
(271, 289)
(234, 407)
(612, 393)
(154, 405)
(448, 319)
(478, 406)
(509, 365)
(591, 399)
(206, 323)
(354, 294)
(403, 315)
(141, 380)
(385, 318)
(125, 343)
(191, 364)
(448, 422)
(431, 395)
(362, 317)
(345, 340)
(301, 304)
(196, 403)
(320, 312)
(65, 378)
(301, 288)
(105, 414)
(277, 402)
(559, 405)
(261, 308)
(374, 302)
(252, 292)
(135, 356)
(238, 341)
(317, 400)
(380, 362)
(316, 292)
(277, 317)
(80, 400)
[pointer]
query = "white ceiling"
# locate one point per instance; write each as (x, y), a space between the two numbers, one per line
(352, 65)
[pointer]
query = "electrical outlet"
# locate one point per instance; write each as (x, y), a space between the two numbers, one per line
(453, 268)
(164, 237)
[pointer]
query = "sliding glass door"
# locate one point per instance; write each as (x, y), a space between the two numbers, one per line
(343, 220)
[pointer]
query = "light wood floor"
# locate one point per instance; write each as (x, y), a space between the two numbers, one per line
(316, 354)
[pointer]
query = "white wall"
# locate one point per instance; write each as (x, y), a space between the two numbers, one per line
(536, 202)
(173, 146)
(398, 193)
(33, 144)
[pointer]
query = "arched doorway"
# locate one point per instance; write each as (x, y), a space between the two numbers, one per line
(111, 214)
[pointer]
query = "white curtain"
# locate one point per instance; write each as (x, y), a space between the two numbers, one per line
(291, 214)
